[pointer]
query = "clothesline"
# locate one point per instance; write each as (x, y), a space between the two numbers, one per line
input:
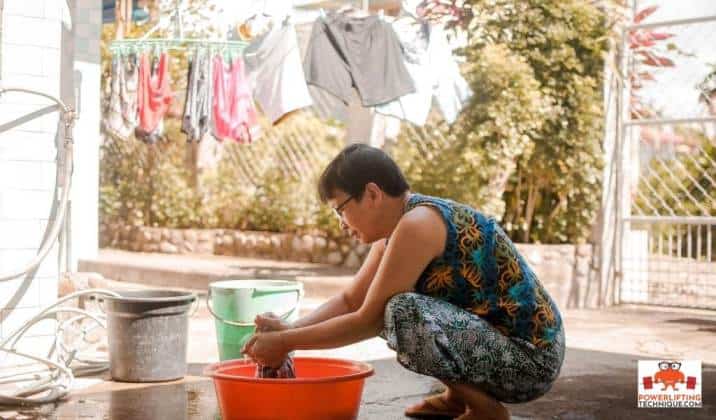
(123, 46)
(395, 68)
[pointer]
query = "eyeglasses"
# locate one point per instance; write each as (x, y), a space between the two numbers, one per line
(667, 365)
(339, 209)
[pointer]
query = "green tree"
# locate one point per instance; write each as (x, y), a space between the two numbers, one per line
(477, 156)
(552, 195)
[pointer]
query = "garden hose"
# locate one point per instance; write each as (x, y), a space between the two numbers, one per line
(62, 185)
(62, 363)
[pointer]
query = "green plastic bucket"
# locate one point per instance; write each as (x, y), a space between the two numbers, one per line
(235, 303)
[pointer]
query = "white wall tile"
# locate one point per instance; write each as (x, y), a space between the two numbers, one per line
(41, 32)
(20, 145)
(27, 175)
(45, 123)
(51, 62)
(28, 8)
(20, 234)
(19, 293)
(16, 259)
(25, 205)
(21, 59)
(42, 83)
(54, 9)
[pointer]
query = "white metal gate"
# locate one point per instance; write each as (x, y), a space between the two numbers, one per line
(660, 189)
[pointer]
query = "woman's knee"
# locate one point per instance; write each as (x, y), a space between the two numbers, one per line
(398, 310)
(401, 302)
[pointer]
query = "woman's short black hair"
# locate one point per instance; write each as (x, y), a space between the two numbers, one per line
(357, 165)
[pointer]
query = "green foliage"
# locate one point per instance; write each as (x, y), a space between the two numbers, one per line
(526, 149)
(151, 185)
(147, 185)
(478, 154)
(159, 185)
(554, 194)
(530, 142)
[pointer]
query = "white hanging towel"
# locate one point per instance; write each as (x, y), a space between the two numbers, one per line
(429, 59)
(275, 71)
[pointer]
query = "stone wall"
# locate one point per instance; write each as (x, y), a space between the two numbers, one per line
(563, 269)
(284, 246)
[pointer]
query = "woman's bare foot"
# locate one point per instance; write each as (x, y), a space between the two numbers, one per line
(446, 405)
(480, 405)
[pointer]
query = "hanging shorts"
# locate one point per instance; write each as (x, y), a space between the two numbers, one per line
(348, 51)
(436, 338)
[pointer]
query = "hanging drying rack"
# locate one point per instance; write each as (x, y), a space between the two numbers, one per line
(177, 42)
(124, 46)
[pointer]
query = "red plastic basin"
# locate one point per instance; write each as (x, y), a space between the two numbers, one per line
(326, 389)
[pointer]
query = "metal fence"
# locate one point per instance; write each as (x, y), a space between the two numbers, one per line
(660, 186)
(297, 150)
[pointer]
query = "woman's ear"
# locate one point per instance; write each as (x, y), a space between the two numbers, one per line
(373, 191)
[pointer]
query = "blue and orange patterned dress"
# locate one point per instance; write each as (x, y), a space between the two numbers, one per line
(479, 314)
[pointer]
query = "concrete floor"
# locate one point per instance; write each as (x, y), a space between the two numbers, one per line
(593, 385)
(598, 379)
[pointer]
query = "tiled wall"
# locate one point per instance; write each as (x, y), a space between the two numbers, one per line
(31, 50)
(40, 50)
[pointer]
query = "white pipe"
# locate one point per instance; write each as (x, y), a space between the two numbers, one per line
(56, 381)
(68, 117)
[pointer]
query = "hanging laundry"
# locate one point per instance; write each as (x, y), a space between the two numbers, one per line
(234, 114)
(209, 154)
(130, 90)
(452, 92)
(430, 62)
(197, 106)
(275, 71)
(122, 109)
(346, 51)
(154, 97)
(413, 107)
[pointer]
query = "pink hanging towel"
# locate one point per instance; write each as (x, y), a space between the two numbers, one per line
(233, 107)
(154, 96)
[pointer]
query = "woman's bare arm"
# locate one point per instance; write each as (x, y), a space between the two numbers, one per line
(350, 299)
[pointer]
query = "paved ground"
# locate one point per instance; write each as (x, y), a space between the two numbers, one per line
(593, 385)
(598, 380)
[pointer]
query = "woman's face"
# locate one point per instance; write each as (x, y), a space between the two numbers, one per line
(358, 217)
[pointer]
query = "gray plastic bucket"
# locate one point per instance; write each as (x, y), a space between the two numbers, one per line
(147, 334)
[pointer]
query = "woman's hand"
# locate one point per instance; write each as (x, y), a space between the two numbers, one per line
(266, 348)
(269, 321)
